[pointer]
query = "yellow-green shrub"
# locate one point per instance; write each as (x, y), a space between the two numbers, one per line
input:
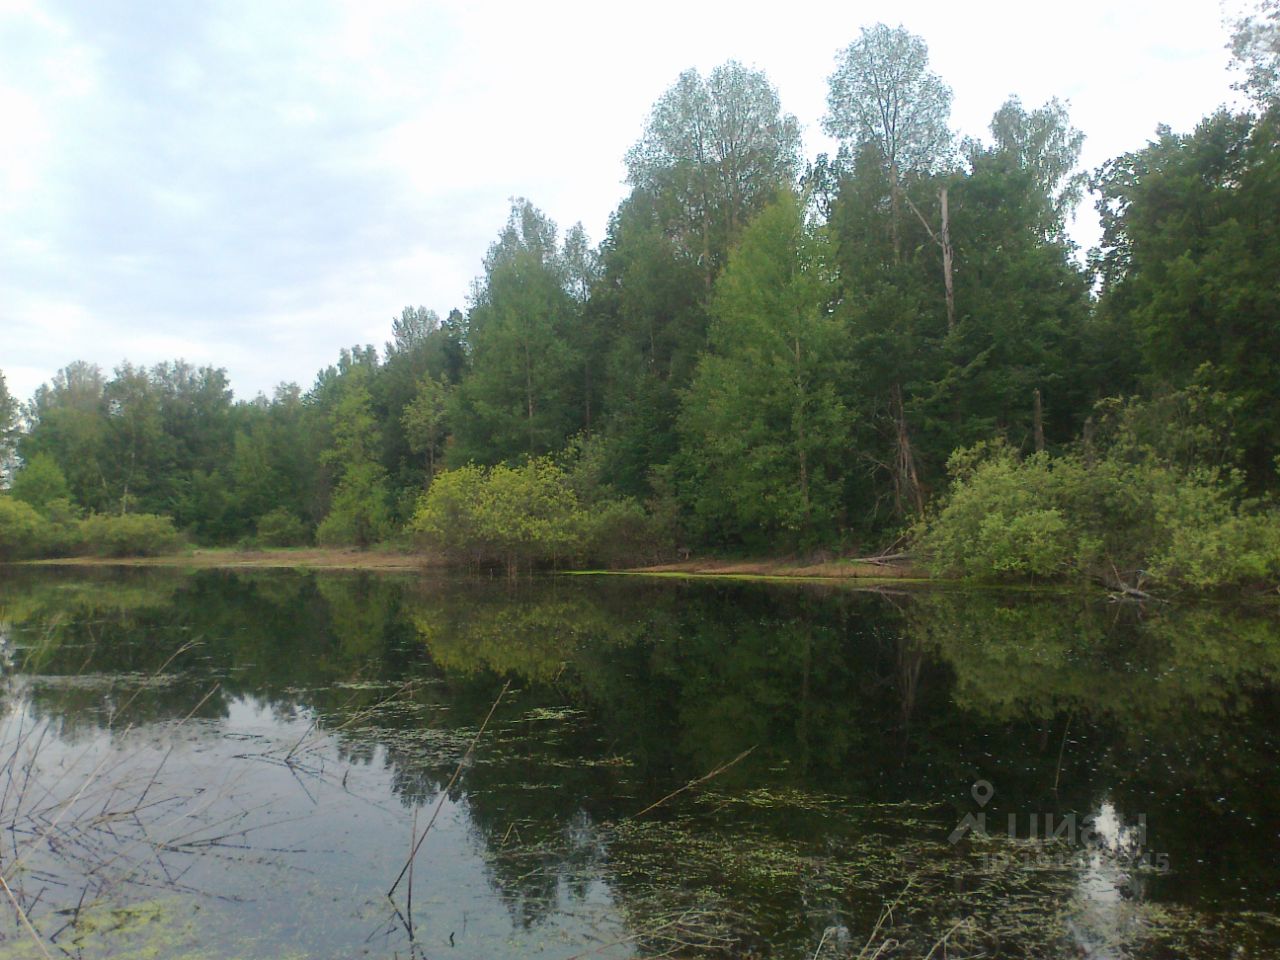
(1050, 517)
(525, 516)
(130, 535)
(21, 529)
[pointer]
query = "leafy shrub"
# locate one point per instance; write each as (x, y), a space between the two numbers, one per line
(517, 516)
(130, 535)
(281, 528)
(525, 516)
(1213, 541)
(359, 514)
(21, 529)
(619, 533)
(61, 534)
(1047, 517)
(40, 482)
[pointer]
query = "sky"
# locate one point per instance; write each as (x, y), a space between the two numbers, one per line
(254, 185)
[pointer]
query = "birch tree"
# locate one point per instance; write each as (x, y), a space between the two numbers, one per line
(883, 94)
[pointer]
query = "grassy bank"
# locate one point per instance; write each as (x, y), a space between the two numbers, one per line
(298, 558)
(336, 558)
(782, 569)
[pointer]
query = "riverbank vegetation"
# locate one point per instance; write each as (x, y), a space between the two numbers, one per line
(767, 354)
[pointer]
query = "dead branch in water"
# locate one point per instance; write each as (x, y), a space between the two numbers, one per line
(694, 783)
(447, 787)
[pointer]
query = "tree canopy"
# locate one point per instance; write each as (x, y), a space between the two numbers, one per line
(761, 354)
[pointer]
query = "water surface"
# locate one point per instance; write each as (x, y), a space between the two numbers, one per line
(226, 765)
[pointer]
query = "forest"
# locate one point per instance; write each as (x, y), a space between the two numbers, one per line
(895, 347)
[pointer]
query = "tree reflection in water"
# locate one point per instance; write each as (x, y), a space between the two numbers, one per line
(870, 718)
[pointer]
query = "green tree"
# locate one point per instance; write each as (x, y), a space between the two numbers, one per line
(934, 375)
(1113, 520)
(421, 346)
(359, 513)
(8, 427)
(40, 482)
(69, 423)
(766, 433)
(713, 152)
(883, 95)
(425, 418)
(1255, 49)
(521, 396)
(653, 300)
(587, 327)
(1190, 266)
(21, 529)
(140, 449)
(1023, 301)
(1045, 148)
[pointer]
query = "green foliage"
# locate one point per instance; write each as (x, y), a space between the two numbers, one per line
(882, 94)
(619, 533)
(521, 397)
(997, 521)
(522, 517)
(1190, 262)
(425, 418)
(1043, 144)
(1054, 517)
(652, 300)
(1255, 49)
(518, 516)
(1188, 428)
(359, 514)
(767, 435)
(280, 528)
(740, 367)
(21, 529)
(39, 482)
(925, 385)
(713, 153)
(129, 535)
(8, 424)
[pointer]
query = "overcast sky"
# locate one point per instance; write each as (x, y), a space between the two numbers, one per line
(256, 184)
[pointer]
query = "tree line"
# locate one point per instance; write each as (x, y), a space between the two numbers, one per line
(765, 353)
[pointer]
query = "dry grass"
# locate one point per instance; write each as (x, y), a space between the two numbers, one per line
(830, 570)
(309, 558)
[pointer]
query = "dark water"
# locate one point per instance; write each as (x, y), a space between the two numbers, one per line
(224, 765)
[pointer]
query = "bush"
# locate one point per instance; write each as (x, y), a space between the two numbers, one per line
(359, 514)
(1212, 541)
(61, 534)
(22, 530)
(516, 516)
(1047, 517)
(130, 535)
(281, 528)
(620, 533)
(40, 482)
(526, 516)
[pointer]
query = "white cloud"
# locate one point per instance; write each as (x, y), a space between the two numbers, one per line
(258, 184)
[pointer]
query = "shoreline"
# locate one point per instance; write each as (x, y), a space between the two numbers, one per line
(780, 570)
(296, 558)
(849, 572)
(334, 558)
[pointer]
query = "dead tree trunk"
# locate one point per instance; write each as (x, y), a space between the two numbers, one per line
(1039, 423)
(943, 239)
(947, 258)
(895, 191)
(906, 480)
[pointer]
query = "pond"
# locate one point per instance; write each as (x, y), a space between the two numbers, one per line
(228, 765)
